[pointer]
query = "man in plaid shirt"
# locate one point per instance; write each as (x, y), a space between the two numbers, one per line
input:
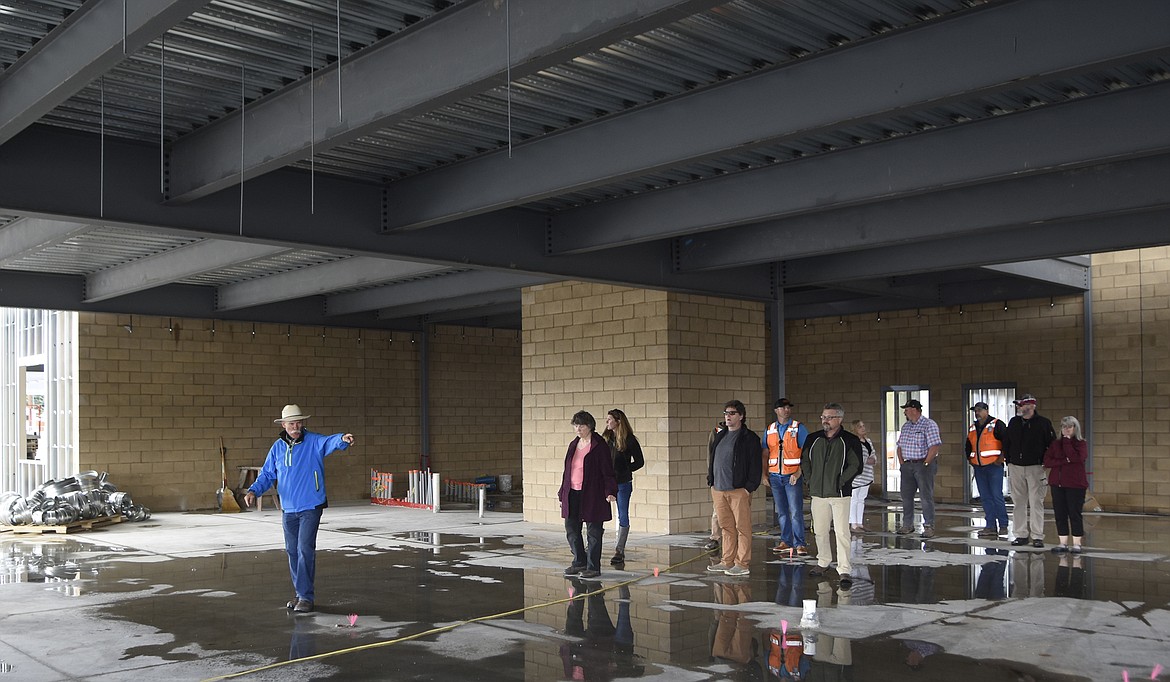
(918, 445)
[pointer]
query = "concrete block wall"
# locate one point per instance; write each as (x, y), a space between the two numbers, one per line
(1131, 339)
(716, 355)
(154, 402)
(593, 347)
(475, 403)
(669, 361)
(1037, 343)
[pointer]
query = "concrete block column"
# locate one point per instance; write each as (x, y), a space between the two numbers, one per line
(669, 361)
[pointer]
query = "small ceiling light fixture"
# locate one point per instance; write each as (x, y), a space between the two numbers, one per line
(171, 326)
(960, 310)
(213, 327)
(841, 321)
(1052, 302)
(129, 327)
(1005, 305)
(879, 317)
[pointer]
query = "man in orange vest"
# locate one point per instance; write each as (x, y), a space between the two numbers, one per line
(984, 448)
(781, 451)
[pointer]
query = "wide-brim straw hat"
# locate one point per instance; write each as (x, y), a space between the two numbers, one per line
(291, 413)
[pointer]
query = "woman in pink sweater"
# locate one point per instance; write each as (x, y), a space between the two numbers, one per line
(1065, 461)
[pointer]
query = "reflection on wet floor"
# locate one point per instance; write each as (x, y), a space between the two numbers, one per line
(952, 606)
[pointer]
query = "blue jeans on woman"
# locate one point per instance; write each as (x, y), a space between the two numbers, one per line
(623, 503)
(789, 501)
(300, 541)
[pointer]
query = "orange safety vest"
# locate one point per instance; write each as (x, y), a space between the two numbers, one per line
(790, 464)
(992, 449)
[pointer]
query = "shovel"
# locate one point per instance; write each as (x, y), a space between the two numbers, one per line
(227, 498)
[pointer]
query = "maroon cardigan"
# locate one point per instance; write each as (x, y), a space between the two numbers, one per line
(598, 482)
(1065, 459)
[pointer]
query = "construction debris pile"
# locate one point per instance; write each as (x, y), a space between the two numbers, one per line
(86, 496)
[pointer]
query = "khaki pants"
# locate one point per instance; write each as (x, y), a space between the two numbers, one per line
(835, 511)
(734, 508)
(1028, 486)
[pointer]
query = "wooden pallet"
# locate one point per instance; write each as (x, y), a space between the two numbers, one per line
(75, 527)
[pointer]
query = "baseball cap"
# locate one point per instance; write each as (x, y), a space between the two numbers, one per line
(1027, 399)
(912, 403)
(783, 402)
(979, 406)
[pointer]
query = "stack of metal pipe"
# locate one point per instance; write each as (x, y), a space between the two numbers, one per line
(89, 495)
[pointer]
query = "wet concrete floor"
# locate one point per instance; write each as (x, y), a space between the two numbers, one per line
(201, 596)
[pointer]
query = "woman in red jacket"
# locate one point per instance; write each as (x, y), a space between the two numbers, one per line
(1065, 461)
(587, 487)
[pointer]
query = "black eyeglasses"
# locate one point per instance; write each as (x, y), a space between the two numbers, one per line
(827, 417)
(728, 413)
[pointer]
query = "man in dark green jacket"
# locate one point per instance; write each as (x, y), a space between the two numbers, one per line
(829, 460)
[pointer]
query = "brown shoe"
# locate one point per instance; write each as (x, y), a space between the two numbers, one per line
(801, 551)
(782, 547)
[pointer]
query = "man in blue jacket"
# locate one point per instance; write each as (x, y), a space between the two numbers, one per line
(296, 461)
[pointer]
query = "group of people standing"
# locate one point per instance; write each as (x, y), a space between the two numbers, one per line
(1039, 460)
(788, 457)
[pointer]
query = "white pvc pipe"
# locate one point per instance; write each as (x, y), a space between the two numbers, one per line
(435, 487)
(481, 500)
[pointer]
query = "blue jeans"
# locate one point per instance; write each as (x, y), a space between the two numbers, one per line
(300, 542)
(917, 477)
(789, 501)
(989, 483)
(623, 499)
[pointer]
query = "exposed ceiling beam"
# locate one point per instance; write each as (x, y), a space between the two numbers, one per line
(316, 280)
(509, 321)
(1052, 270)
(953, 294)
(497, 310)
(409, 73)
(26, 236)
(89, 42)
(1111, 187)
(1091, 234)
(426, 291)
(963, 57)
(461, 303)
(1111, 126)
(172, 266)
(65, 292)
(347, 218)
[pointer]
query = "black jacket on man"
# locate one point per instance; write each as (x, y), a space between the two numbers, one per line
(747, 467)
(1028, 439)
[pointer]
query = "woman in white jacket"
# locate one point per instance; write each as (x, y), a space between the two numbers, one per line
(863, 480)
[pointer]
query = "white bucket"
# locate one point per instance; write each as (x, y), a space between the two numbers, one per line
(505, 481)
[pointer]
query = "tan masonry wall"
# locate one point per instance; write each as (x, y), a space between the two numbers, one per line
(668, 361)
(1039, 345)
(1131, 339)
(155, 402)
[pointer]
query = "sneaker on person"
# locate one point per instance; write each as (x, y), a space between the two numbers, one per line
(574, 570)
(905, 530)
(718, 568)
(802, 551)
(737, 571)
(928, 531)
(589, 573)
(303, 606)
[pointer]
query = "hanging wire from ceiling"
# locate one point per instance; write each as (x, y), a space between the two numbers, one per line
(508, 67)
(162, 119)
(313, 119)
(243, 84)
(340, 115)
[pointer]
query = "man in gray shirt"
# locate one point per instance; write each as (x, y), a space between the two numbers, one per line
(734, 470)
